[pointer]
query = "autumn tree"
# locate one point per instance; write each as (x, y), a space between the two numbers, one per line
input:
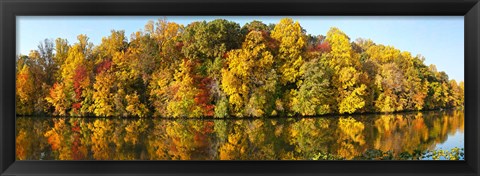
(111, 67)
(254, 26)
(461, 93)
(165, 38)
(311, 97)
(103, 102)
(249, 79)
(107, 95)
(73, 79)
(161, 90)
(208, 43)
(184, 91)
(348, 77)
(292, 43)
(128, 71)
(438, 89)
(42, 69)
(25, 91)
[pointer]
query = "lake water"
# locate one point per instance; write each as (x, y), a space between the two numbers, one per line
(335, 137)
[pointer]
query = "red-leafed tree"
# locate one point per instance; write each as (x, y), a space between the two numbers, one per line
(80, 82)
(203, 97)
(103, 66)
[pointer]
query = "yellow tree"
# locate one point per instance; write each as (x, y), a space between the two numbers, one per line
(61, 52)
(438, 89)
(58, 99)
(103, 102)
(160, 90)
(132, 67)
(396, 82)
(292, 41)
(25, 91)
(134, 106)
(75, 58)
(73, 80)
(165, 36)
(104, 87)
(389, 81)
(348, 75)
(182, 103)
(249, 79)
(115, 75)
(461, 93)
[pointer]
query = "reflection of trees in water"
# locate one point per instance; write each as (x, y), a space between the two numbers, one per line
(102, 136)
(30, 141)
(400, 133)
(258, 139)
(350, 137)
(59, 138)
(415, 131)
(251, 140)
(179, 140)
(308, 136)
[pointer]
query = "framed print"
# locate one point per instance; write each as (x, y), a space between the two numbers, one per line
(239, 88)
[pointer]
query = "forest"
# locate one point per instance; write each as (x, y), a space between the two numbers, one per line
(221, 69)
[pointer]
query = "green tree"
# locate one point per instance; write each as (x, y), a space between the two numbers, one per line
(311, 97)
(254, 26)
(208, 43)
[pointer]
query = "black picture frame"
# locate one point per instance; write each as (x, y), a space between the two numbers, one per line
(9, 9)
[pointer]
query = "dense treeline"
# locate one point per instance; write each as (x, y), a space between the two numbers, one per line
(220, 69)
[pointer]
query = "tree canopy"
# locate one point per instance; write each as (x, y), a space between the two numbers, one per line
(221, 69)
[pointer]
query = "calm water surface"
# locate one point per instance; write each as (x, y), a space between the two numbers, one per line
(46, 138)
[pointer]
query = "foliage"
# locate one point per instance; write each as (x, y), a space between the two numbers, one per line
(292, 41)
(349, 79)
(373, 154)
(311, 98)
(25, 91)
(183, 102)
(219, 69)
(248, 79)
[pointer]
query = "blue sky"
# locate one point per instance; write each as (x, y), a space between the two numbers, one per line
(440, 39)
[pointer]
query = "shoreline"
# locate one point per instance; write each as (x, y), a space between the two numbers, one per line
(240, 118)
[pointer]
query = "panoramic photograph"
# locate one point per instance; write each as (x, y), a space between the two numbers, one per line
(239, 88)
